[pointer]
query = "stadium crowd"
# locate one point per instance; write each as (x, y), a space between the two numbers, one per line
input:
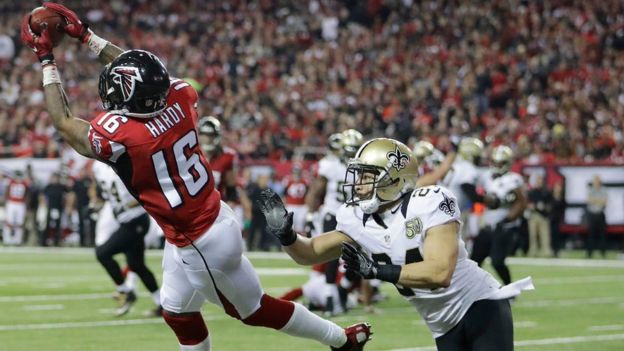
(542, 76)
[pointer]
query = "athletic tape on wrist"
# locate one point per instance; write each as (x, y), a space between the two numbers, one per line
(51, 75)
(96, 44)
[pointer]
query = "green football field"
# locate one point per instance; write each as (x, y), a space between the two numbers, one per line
(60, 299)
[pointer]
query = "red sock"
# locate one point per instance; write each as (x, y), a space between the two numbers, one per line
(124, 271)
(190, 328)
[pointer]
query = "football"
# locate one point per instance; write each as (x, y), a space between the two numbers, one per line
(42, 17)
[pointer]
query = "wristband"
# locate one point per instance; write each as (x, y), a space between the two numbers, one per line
(96, 44)
(288, 240)
(388, 273)
(47, 59)
(51, 75)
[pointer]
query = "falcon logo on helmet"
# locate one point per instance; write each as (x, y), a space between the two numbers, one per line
(126, 77)
(397, 159)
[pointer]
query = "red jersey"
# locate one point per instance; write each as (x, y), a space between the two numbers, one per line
(296, 192)
(160, 162)
(16, 190)
(226, 160)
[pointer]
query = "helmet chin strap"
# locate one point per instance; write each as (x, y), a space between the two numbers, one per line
(372, 205)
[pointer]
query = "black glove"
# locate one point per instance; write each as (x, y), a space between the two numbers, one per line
(358, 262)
(279, 221)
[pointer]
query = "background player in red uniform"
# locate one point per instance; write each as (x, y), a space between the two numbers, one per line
(148, 134)
(224, 163)
(296, 188)
(16, 196)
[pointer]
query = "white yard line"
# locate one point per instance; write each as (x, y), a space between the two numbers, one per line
(522, 261)
(44, 307)
(94, 324)
(579, 280)
(542, 342)
(611, 327)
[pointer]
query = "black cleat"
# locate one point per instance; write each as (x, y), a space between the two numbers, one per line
(126, 300)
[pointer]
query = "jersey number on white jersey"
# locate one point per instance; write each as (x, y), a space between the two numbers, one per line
(411, 256)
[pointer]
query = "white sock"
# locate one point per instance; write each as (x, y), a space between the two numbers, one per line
(304, 323)
(202, 346)
(156, 297)
(131, 281)
(19, 235)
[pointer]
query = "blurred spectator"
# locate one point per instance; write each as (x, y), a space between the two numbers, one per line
(81, 199)
(541, 76)
(54, 197)
(596, 223)
(540, 205)
(258, 237)
(557, 214)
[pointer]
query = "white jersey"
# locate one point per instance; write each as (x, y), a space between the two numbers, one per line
(116, 193)
(461, 172)
(401, 242)
(334, 170)
(503, 188)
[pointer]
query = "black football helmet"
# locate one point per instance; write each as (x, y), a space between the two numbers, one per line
(209, 129)
(135, 84)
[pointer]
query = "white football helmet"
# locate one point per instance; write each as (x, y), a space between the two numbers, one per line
(426, 154)
(501, 159)
(471, 149)
(351, 141)
(210, 128)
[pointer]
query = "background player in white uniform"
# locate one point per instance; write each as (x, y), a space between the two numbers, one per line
(124, 231)
(413, 233)
(433, 165)
(502, 217)
(331, 171)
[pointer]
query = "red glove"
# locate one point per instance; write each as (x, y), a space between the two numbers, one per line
(41, 45)
(74, 27)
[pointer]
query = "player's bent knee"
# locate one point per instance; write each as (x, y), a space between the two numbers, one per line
(273, 313)
(102, 254)
(190, 328)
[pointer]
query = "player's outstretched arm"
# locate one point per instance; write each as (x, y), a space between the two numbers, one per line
(433, 177)
(435, 271)
(305, 251)
(75, 28)
(73, 130)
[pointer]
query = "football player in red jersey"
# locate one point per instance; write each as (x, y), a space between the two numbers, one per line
(17, 194)
(148, 135)
(224, 163)
(295, 191)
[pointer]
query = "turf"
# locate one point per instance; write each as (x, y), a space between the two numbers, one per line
(61, 300)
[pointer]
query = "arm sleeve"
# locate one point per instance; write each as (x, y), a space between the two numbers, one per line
(104, 149)
(443, 208)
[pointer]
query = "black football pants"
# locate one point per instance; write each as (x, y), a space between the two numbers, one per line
(129, 240)
(487, 326)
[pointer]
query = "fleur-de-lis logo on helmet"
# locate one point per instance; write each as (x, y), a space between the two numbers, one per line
(398, 160)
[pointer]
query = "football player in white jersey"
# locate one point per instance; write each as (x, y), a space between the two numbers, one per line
(328, 185)
(433, 165)
(130, 224)
(502, 218)
(392, 231)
